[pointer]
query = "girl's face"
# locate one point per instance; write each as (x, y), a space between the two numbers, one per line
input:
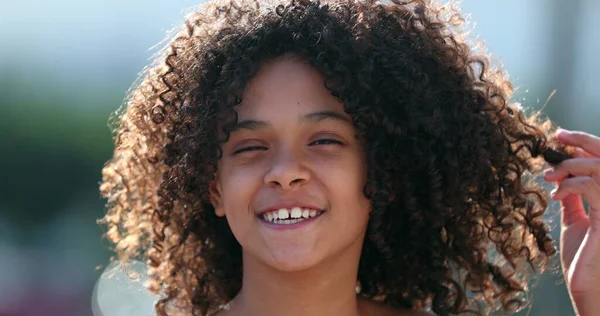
(291, 176)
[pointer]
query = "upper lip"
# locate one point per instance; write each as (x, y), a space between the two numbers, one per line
(289, 205)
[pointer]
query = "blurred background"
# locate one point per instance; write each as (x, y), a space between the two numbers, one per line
(66, 65)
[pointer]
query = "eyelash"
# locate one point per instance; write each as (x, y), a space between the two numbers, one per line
(316, 142)
(251, 148)
(329, 142)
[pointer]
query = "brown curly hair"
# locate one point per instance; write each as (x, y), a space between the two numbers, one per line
(451, 160)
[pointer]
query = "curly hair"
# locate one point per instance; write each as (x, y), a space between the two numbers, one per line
(451, 160)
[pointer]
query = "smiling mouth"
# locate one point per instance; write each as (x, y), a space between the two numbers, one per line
(285, 216)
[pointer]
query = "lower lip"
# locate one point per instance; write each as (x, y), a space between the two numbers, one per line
(290, 226)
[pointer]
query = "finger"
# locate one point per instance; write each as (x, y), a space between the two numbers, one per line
(552, 175)
(569, 191)
(573, 209)
(588, 142)
(581, 186)
(580, 153)
(575, 166)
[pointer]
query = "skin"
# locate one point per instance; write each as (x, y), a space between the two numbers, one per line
(283, 152)
(580, 231)
(298, 146)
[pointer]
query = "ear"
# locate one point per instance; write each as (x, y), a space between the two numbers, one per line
(216, 196)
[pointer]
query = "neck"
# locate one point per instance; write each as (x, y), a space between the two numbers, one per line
(326, 289)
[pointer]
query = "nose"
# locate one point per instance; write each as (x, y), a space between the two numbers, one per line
(287, 171)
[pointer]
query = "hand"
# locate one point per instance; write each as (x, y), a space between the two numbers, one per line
(577, 179)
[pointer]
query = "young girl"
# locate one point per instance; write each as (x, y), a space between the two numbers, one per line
(342, 158)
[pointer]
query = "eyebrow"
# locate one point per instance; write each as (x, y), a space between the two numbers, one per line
(314, 117)
(325, 115)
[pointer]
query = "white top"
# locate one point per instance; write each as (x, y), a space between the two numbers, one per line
(120, 291)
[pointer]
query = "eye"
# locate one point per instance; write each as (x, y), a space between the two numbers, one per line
(249, 148)
(326, 141)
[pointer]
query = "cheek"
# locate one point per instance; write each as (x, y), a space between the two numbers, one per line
(345, 177)
(239, 183)
(239, 186)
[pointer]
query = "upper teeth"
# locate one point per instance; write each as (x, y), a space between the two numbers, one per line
(284, 213)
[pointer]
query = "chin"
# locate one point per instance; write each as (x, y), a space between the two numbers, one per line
(293, 261)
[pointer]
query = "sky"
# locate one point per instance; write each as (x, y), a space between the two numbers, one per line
(91, 44)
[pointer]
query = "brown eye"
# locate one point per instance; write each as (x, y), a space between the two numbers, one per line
(326, 141)
(249, 148)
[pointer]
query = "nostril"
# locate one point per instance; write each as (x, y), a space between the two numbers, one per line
(286, 176)
(297, 181)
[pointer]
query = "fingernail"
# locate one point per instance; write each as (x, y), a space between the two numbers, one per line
(548, 173)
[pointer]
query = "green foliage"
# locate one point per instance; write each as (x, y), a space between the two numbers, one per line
(52, 153)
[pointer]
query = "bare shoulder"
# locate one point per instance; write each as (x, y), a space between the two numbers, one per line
(368, 307)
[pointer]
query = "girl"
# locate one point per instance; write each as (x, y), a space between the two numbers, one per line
(342, 158)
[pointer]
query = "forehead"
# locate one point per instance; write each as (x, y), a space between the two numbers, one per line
(286, 85)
